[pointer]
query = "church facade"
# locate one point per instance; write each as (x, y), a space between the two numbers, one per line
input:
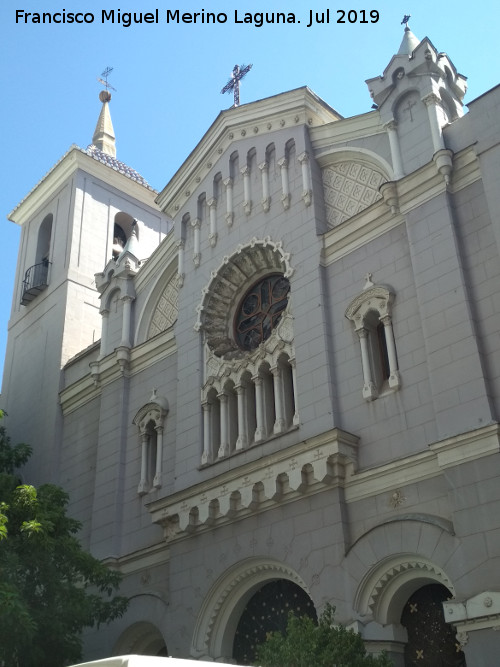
(276, 383)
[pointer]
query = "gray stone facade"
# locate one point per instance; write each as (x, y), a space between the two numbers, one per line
(355, 450)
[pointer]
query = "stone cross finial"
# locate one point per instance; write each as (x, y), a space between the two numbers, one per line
(368, 281)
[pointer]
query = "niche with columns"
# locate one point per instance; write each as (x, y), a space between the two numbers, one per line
(371, 314)
(150, 420)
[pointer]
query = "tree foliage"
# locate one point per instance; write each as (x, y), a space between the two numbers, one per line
(307, 644)
(50, 588)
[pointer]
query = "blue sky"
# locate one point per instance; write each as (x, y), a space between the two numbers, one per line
(168, 78)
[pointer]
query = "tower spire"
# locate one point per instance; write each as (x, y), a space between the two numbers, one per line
(104, 135)
(409, 42)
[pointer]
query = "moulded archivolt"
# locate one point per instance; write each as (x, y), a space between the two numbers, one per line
(213, 634)
(228, 283)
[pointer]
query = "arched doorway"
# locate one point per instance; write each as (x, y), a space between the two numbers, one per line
(142, 638)
(227, 600)
(267, 611)
(431, 641)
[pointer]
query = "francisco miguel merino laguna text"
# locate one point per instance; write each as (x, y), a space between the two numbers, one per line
(257, 19)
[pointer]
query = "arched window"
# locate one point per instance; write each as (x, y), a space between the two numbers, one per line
(260, 310)
(371, 314)
(44, 238)
(150, 420)
(122, 230)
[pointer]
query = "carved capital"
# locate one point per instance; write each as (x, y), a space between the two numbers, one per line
(390, 126)
(283, 163)
(196, 223)
(228, 182)
(212, 202)
(263, 166)
(431, 99)
(303, 158)
(245, 171)
(307, 197)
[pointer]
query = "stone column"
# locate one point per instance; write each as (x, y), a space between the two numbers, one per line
(394, 378)
(285, 188)
(126, 318)
(293, 364)
(143, 483)
(397, 163)
(279, 406)
(260, 431)
(224, 443)
(303, 158)
(196, 224)
(242, 440)
(369, 389)
(247, 197)
(229, 201)
(206, 457)
(266, 199)
(212, 212)
(432, 102)
(180, 262)
(104, 333)
(159, 457)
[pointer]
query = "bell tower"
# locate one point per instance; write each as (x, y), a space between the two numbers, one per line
(419, 92)
(77, 218)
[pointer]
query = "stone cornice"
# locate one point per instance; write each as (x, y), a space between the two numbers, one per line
(152, 556)
(362, 228)
(332, 135)
(107, 370)
(296, 107)
(413, 191)
(467, 446)
(74, 159)
(308, 467)
(316, 465)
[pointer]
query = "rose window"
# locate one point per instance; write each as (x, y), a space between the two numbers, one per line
(260, 310)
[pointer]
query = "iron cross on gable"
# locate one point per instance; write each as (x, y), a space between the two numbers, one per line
(405, 20)
(234, 82)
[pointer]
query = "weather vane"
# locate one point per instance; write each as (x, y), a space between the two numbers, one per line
(405, 20)
(104, 80)
(234, 82)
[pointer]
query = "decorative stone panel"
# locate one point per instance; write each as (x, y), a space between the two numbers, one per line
(349, 188)
(166, 309)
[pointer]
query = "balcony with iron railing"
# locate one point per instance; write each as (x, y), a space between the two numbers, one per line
(35, 281)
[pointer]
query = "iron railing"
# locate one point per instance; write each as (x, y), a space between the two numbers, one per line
(35, 281)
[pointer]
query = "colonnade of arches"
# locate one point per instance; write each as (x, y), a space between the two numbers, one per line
(249, 409)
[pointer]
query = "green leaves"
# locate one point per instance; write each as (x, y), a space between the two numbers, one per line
(306, 644)
(50, 588)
